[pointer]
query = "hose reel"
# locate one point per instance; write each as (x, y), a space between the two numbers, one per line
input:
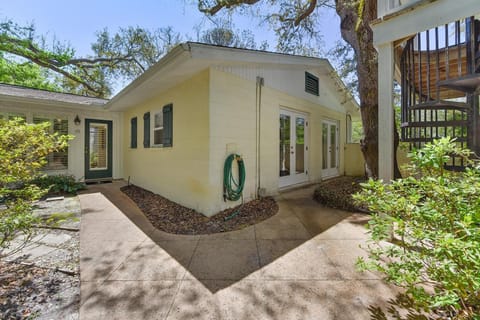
(232, 189)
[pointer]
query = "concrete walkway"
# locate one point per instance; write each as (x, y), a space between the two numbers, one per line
(298, 264)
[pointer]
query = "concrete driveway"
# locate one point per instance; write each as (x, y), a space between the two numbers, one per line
(298, 264)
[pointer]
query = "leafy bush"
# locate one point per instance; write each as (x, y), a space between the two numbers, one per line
(433, 218)
(23, 151)
(59, 184)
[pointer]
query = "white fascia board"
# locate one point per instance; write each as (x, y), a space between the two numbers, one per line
(351, 105)
(178, 54)
(247, 56)
(420, 17)
(189, 58)
(50, 102)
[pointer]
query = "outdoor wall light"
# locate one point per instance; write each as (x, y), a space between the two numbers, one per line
(77, 120)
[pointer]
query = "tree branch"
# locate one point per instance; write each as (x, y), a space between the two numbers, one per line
(83, 61)
(225, 4)
(306, 13)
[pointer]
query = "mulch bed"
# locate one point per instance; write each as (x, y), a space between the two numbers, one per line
(27, 292)
(337, 193)
(171, 217)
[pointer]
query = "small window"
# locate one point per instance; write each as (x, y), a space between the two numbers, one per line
(162, 127)
(133, 133)
(311, 84)
(158, 128)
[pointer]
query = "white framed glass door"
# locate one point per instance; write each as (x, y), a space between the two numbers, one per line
(330, 140)
(293, 148)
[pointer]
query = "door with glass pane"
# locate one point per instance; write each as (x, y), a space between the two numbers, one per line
(293, 148)
(329, 148)
(98, 149)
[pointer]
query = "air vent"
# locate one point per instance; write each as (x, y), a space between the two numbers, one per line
(311, 83)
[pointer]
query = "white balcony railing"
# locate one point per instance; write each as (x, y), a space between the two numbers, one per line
(385, 7)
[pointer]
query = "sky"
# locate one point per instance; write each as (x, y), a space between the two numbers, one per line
(76, 21)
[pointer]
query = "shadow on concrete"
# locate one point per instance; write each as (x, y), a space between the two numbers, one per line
(280, 268)
(228, 256)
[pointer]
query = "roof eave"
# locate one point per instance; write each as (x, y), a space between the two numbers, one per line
(51, 102)
(177, 52)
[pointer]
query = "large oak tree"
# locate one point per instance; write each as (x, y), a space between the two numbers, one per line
(294, 20)
(124, 54)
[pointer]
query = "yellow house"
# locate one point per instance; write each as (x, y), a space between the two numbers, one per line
(169, 131)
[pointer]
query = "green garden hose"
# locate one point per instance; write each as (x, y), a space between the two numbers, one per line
(232, 190)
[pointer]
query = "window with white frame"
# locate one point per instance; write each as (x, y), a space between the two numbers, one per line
(161, 134)
(57, 160)
(158, 128)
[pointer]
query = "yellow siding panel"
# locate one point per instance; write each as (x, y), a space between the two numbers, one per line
(177, 173)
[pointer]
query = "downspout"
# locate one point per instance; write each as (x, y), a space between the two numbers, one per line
(258, 119)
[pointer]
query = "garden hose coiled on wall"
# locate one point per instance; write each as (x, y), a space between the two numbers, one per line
(232, 190)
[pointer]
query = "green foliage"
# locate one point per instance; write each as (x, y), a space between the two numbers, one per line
(23, 151)
(357, 131)
(57, 218)
(225, 35)
(433, 217)
(132, 50)
(25, 74)
(126, 53)
(59, 184)
(294, 22)
(343, 58)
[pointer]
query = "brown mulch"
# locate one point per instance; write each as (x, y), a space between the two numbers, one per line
(171, 217)
(337, 193)
(27, 292)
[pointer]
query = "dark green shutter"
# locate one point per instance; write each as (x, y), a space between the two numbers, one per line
(146, 130)
(168, 125)
(133, 133)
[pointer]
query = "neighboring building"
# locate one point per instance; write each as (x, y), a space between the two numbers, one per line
(432, 49)
(170, 130)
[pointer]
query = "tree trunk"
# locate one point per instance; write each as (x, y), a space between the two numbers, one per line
(361, 39)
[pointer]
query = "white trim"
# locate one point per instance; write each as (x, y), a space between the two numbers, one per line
(330, 171)
(153, 128)
(421, 16)
(297, 178)
(386, 113)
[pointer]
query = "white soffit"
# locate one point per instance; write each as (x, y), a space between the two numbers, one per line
(422, 16)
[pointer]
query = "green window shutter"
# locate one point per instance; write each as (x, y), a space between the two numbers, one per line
(146, 130)
(168, 125)
(133, 133)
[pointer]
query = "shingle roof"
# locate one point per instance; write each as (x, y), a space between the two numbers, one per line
(37, 94)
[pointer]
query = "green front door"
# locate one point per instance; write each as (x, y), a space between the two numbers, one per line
(98, 149)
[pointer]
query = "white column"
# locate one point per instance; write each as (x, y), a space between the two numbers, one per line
(385, 111)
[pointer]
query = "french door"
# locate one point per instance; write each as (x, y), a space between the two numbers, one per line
(98, 149)
(293, 148)
(329, 148)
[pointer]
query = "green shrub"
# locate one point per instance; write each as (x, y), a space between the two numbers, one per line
(23, 151)
(433, 220)
(59, 184)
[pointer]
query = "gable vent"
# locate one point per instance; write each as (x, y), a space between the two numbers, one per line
(311, 84)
